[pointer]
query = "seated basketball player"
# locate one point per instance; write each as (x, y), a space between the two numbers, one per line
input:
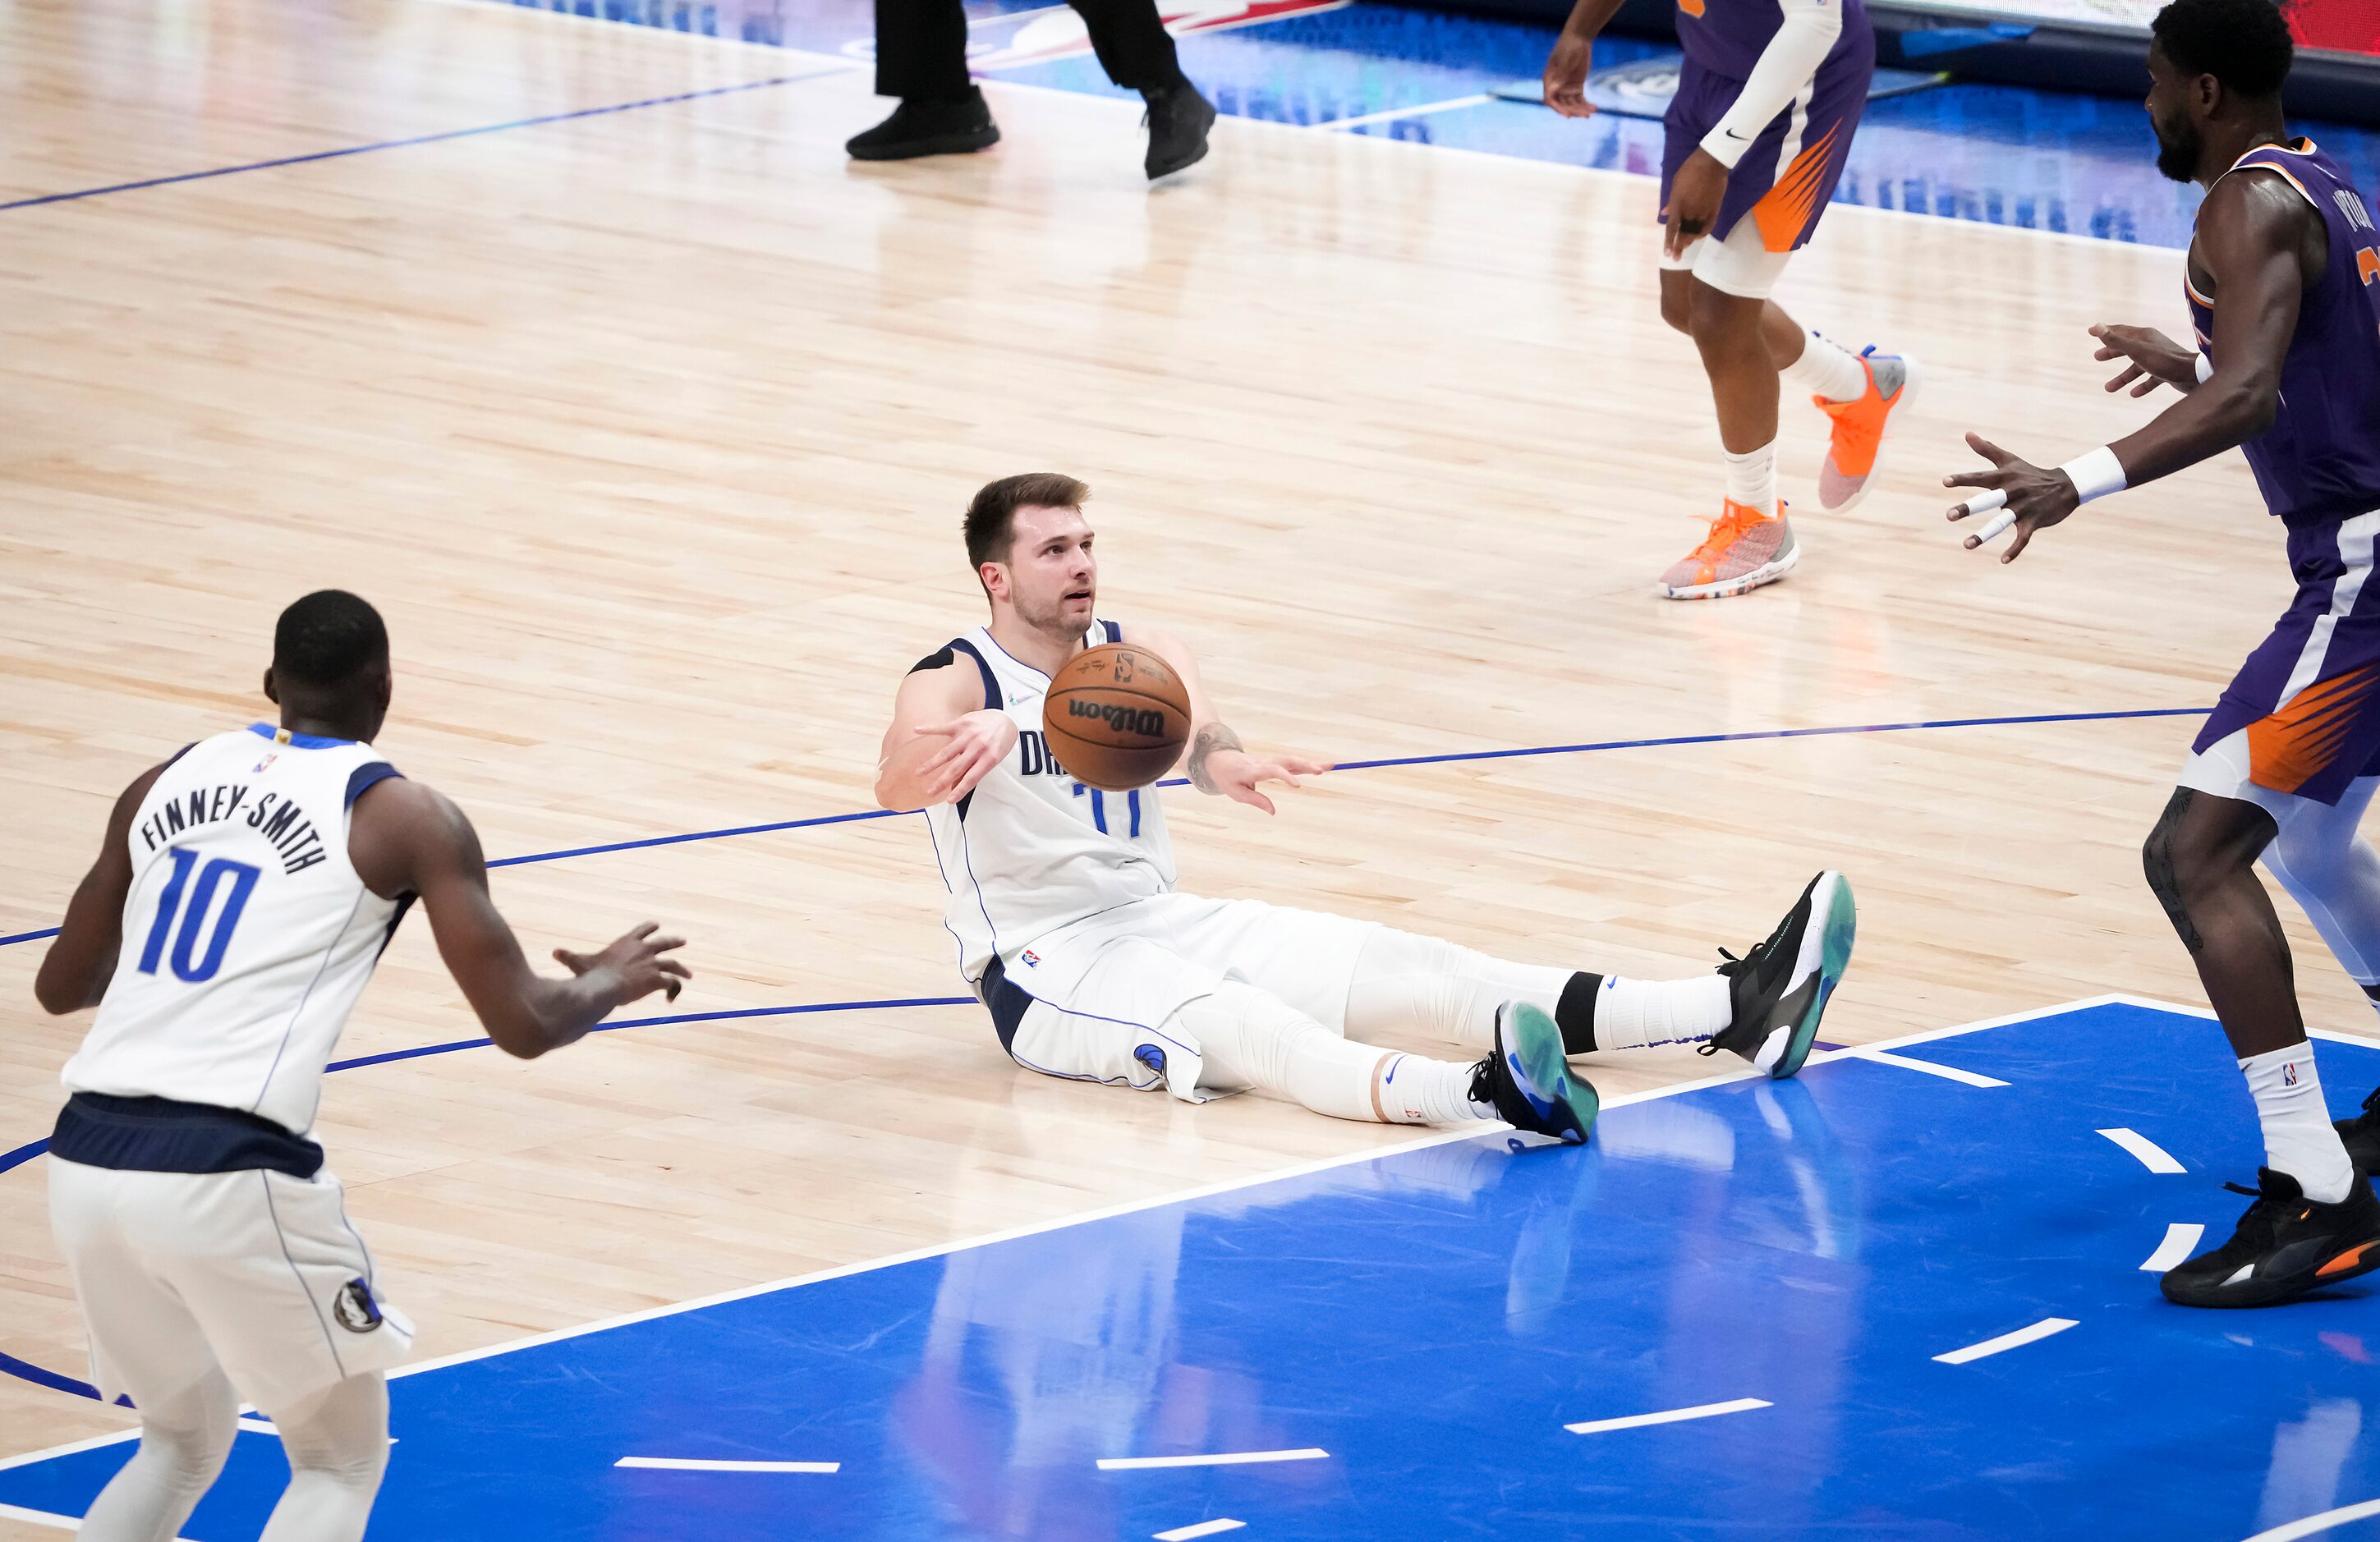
(1768, 97)
(1093, 966)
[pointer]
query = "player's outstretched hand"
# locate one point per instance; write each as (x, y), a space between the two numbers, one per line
(1237, 773)
(978, 742)
(2150, 358)
(636, 956)
(1567, 68)
(2026, 495)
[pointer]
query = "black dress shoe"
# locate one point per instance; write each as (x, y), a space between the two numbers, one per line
(1178, 120)
(952, 127)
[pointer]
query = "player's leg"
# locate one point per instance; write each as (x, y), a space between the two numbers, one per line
(1251, 1039)
(921, 58)
(185, 1437)
(1765, 1006)
(1750, 544)
(2315, 1220)
(336, 1440)
(1137, 53)
(1860, 392)
(2333, 875)
(144, 1346)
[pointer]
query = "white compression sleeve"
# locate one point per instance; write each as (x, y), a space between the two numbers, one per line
(337, 1445)
(184, 1439)
(2333, 875)
(1407, 981)
(1250, 1038)
(1789, 63)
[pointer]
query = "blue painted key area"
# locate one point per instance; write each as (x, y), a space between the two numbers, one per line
(1433, 1319)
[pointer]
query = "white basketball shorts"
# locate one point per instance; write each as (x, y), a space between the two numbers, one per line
(255, 1271)
(1104, 989)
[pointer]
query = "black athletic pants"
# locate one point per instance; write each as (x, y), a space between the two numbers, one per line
(921, 46)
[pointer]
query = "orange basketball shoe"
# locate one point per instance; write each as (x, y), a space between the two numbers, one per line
(1744, 549)
(1860, 427)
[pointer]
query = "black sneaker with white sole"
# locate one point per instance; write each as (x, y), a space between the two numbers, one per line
(2360, 1135)
(2285, 1246)
(1528, 1080)
(1781, 987)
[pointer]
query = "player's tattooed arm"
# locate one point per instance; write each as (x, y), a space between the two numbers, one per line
(406, 838)
(1217, 763)
(75, 972)
(1203, 744)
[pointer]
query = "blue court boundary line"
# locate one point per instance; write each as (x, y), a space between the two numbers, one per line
(420, 139)
(1452, 758)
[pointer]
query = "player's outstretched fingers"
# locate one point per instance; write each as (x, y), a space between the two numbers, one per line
(1992, 529)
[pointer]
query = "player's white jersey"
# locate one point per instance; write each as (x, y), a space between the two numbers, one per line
(247, 935)
(1031, 848)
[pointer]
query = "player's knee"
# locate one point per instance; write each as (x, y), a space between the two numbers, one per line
(1675, 309)
(1720, 322)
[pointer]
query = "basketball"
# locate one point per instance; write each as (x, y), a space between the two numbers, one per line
(1116, 717)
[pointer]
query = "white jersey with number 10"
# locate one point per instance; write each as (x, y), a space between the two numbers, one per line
(247, 935)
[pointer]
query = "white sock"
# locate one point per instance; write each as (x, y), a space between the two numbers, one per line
(2298, 1139)
(1630, 1014)
(1826, 368)
(1752, 478)
(1411, 1089)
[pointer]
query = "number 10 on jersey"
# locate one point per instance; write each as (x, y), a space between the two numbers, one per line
(200, 899)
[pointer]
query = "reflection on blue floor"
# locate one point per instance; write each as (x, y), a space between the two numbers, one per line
(2001, 154)
(1433, 1319)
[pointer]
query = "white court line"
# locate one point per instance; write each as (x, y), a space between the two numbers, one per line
(696, 1464)
(1638, 1421)
(2151, 1155)
(2017, 1340)
(1451, 104)
(1950, 1071)
(1130, 1207)
(2324, 1522)
(2181, 1239)
(1203, 1528)
(1220, 1458)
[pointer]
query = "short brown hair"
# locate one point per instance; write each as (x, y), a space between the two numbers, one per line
(991, 518)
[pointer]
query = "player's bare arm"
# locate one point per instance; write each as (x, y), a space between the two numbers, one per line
(75, 970)
(405, 838)
(1572, 58)
(2150, 358)
(2252, 238)
(942, 742)
(1217, 763)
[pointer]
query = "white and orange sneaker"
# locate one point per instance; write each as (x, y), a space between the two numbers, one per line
(1860, 426)
(1744, 549)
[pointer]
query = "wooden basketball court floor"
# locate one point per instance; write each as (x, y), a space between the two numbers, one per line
(649, 430)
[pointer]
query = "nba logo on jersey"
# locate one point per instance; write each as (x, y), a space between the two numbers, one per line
(2289, 1074)
(1032, 959)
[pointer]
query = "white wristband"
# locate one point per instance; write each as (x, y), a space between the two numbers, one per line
(2205, 369)
(2096, 475)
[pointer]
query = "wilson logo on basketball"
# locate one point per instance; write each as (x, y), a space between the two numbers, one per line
(1146, 722)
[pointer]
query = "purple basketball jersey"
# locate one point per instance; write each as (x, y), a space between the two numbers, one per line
(2319, 461)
